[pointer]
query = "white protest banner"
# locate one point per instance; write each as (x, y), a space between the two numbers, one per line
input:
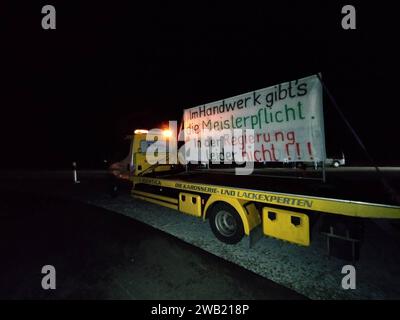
(285, 122)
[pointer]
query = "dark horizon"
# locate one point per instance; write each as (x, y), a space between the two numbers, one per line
(74, 93)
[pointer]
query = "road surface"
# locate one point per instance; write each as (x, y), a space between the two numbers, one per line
(99, 254)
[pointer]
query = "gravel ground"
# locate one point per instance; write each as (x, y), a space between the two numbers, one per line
(308, 271)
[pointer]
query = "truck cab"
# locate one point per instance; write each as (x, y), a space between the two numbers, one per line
(142, 162)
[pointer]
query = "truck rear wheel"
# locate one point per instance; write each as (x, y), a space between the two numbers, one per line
(226, 223)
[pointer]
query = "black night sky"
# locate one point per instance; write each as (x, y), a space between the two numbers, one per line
(75, 92)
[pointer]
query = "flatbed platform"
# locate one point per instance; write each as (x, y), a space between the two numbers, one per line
(359, 184)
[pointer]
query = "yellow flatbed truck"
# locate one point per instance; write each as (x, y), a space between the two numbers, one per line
(278, 124)
(237, 206)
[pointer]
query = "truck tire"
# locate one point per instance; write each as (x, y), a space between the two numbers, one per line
(226, 223)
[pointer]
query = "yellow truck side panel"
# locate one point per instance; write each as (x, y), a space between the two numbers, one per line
(190, 204)
(157, 199)
(335, 206)
(286, 225)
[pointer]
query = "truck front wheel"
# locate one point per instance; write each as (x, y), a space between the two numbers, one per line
(226, 223)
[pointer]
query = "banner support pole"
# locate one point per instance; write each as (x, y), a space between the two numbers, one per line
(323, 172)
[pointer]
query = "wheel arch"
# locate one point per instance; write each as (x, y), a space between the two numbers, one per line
(250, 218)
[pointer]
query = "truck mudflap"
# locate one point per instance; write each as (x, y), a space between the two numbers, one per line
(286, 225)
